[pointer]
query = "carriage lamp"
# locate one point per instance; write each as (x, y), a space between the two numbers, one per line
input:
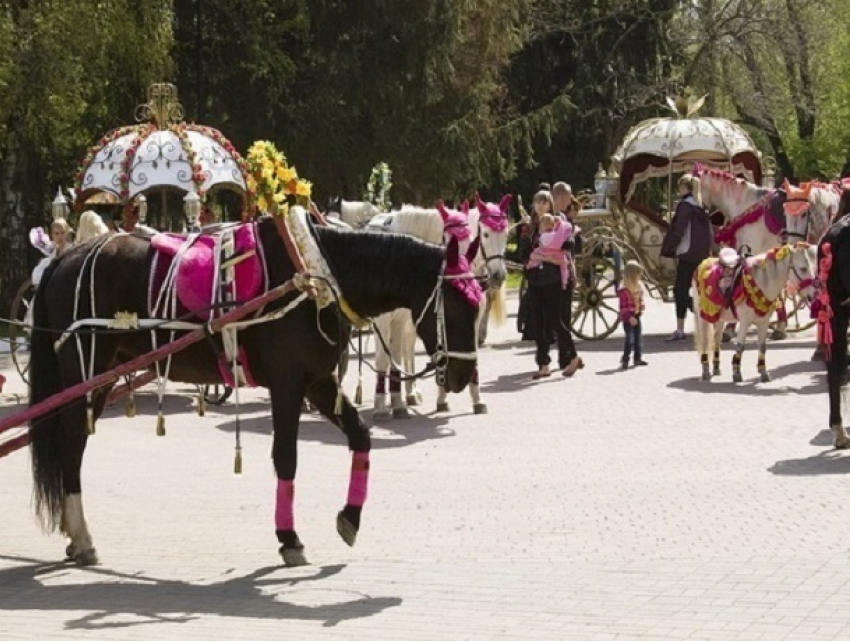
(143, 208)
(600, 183)
(61, 209)
(192, 207)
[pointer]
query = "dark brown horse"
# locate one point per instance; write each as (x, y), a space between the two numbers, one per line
(291, 356)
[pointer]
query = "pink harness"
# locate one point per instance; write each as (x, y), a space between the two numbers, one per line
(187, 274)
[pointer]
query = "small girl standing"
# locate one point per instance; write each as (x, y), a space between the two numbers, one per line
(631, 309)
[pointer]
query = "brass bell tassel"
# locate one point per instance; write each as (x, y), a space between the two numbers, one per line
(338, 404)
(237, 461)
(89, 420)
(130, 410)
(160, 425)
(202, 403)
(358, 393)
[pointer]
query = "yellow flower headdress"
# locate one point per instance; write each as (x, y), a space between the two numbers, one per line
(276, 184)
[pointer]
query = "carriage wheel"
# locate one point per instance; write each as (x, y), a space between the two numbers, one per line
(217, 394)
(799, 316)
(596, 314)
(19, 336)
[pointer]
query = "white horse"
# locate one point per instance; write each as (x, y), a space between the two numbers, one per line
(761, 218)
(355, 213)
(396, 328)
(764, 278)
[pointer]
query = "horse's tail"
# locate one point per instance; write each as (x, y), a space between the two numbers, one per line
(46, 442)
(498, 306)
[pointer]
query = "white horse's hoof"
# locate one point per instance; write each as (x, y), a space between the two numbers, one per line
(737, 378)
(382, 414)
(479, 408)
(842, 445)
(765, 377)
(293, 557)
(443, 407)
(82, 557)
(715, 371)
(706, 377)
(412, 400)
(400, 412)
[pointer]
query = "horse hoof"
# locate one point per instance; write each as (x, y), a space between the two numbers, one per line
(479, 408)
(765, 377)
(293, 557)
(382, 414)
(412, 400)
(346, 529)
(400, 412)
(86, 557)
(442, 407)
(70, 552)
(737, 378)
(706, 377)
(715, 371)
(843, 445)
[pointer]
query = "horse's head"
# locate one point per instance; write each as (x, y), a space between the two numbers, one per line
(447, 320)
(493, 234)
(802, 276)
(456, 224)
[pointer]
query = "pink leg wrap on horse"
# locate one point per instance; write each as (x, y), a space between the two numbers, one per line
(283, 518)
(782, 314)
(381, 384)
(358, 485)
(395, 381)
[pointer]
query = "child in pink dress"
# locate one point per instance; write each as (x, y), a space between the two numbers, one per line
(554, 232)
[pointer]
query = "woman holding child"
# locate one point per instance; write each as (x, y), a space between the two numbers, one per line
(548, 273)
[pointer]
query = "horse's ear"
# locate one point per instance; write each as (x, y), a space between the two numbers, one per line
(505, 202)
(452, 252)
(465, 208)
(472, 252)
(441, 207)
(479, 203)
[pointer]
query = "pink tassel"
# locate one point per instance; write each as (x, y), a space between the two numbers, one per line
(825, 313)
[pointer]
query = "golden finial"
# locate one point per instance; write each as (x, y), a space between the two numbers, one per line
(162, 106)
(686, 105)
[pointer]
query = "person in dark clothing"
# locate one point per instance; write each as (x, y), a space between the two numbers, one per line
(546, 302)
(562, 194)
(688, 240)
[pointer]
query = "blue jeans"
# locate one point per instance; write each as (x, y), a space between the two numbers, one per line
(634, 340)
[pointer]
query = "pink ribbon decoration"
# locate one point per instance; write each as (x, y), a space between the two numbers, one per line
(825, 313)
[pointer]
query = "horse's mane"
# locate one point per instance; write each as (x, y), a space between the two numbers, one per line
(418, 221)
(729, 184)
(397, 258)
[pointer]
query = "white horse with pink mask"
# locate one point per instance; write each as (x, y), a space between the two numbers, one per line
(486, 227)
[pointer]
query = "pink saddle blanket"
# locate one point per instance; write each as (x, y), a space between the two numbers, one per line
(195, 275)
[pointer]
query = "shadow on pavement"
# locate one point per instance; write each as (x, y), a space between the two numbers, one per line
(751, 386)
(831, 462)
(387, 434)
(135, 599)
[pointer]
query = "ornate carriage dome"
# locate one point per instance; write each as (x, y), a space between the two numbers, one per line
(660, 146)
(164, 152)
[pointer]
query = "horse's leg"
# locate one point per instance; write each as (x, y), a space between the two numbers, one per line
(382, 367)
(718, 339)
(835, 371)
(702, 340)
(762, 327)
(739, 351)
(780, 332)
(323, 395)
(413, 395)
(484, 322)
(397, 347)
(478, 406)
(287, 393)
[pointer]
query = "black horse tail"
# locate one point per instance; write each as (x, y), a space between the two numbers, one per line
(46, 434)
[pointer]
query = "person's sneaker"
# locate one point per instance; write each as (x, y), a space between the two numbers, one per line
(639, 362)
(675, 337)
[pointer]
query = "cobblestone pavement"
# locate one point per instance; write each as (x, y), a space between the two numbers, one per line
(615, 505)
